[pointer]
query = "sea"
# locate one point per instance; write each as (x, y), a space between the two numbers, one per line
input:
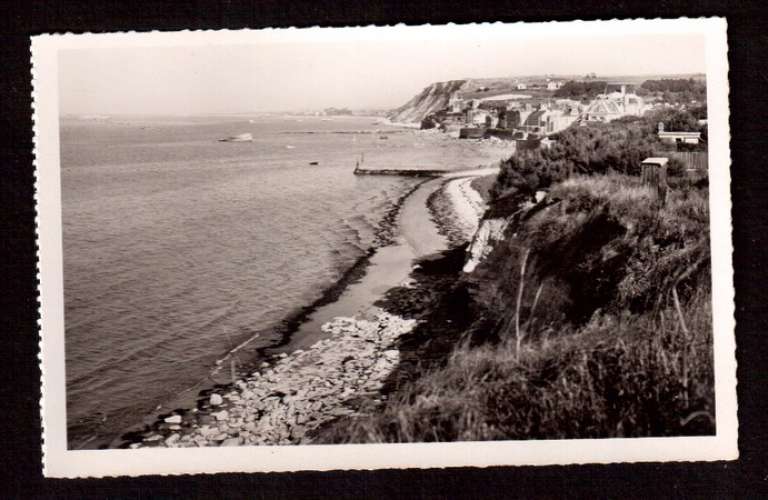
(180, 249)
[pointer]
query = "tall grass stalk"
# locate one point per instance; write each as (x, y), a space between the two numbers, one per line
(520, 288)
(684, 349)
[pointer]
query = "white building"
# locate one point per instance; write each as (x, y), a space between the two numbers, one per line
(456, 104)
(476, 116)
(554, 84)
(607, 107)
(678, 137)
(548, 121)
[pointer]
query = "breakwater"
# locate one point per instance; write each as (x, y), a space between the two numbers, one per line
(404, 173)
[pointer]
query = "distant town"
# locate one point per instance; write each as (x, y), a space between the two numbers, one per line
(535, 109)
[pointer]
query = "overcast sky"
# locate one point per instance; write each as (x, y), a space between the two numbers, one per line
(357, 74)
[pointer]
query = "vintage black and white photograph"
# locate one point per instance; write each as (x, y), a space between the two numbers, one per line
(502, 235)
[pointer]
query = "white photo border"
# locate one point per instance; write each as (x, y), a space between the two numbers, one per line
(58, 461)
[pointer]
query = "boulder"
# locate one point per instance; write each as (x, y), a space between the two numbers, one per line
(216, 400)
(173, 419)
(221, 415)
(171, 440)
(235, 441)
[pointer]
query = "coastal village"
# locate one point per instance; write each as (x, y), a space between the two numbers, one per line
(531, 112)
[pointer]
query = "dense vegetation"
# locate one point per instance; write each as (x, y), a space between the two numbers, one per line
(619, 146)
(675, 91)
(670, 85)
(592, 315)
(581, 90)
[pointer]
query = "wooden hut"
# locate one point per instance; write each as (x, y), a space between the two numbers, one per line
(654, 174)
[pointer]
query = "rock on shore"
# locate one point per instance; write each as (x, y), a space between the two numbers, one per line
(300, 392)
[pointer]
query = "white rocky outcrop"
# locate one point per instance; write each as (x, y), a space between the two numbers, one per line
(488, 234)
(433, 98)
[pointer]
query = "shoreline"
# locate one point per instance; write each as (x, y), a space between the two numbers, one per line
(189, 400)
(299, 393)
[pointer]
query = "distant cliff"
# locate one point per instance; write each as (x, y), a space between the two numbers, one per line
(433, 98)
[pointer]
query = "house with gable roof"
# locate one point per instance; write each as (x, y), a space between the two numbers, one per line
(607, 107)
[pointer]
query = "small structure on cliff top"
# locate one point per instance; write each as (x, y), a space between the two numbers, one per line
(654, 174)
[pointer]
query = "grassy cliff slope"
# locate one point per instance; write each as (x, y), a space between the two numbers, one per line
(592, 319)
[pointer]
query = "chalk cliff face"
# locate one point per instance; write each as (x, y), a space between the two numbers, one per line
(433, 98)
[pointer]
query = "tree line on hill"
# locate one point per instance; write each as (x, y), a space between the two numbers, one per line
(581, 90)
(672, 90)
(670, 85)
(675, 91)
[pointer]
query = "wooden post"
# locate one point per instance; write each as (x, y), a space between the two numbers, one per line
(655, 176)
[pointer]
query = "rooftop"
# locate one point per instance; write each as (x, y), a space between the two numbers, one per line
(661, 161)
(678, 134)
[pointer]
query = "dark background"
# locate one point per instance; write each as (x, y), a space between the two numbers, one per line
(20, 452)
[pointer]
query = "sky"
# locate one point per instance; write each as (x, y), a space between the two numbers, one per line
(367, 73)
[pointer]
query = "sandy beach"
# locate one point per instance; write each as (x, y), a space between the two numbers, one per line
(466, 203)
(288, 398)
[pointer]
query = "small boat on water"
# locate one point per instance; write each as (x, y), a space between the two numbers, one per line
(238, 138)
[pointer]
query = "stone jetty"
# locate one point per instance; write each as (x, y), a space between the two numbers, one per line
(282, 402)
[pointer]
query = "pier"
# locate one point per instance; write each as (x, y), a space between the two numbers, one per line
(401, 172)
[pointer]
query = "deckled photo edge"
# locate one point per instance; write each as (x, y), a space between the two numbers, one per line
(61, 462)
